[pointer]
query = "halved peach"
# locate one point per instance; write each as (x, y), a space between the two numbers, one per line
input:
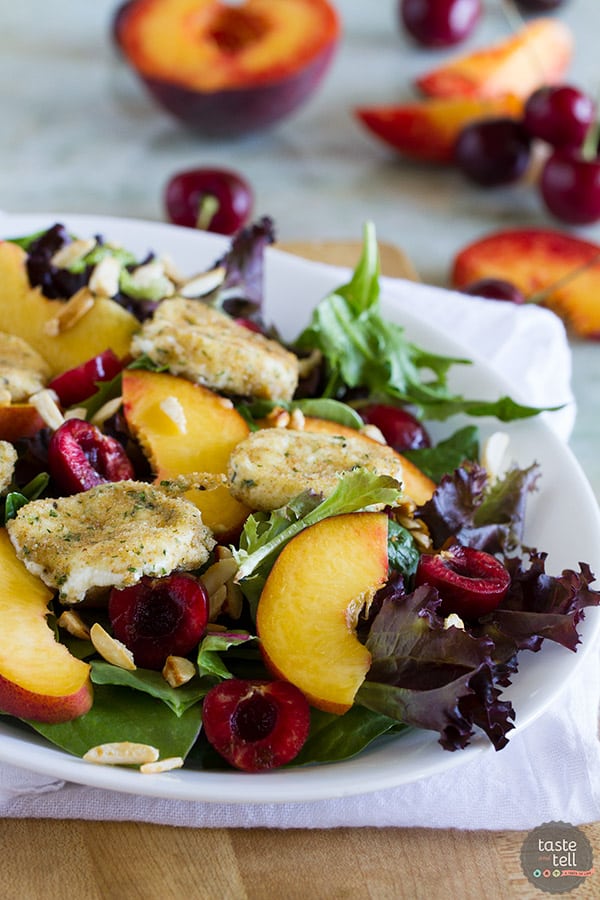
(538, 54)
(26, 313)
(228, 68)
(183, 428)
(309, 607)
(538, 260)
(39, 679)
(427, 129)
(19, 420)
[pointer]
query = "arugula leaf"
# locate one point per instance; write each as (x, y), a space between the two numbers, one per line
(263, 537)
(106, 390)
(363, 350)
(14, 500)
(120, 714)
(319, 407)
(148, 682)
(447, 455)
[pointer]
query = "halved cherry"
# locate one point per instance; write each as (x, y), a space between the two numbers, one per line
(256, 725)
(80, 457)
(159, 617)
(470, 582)
(79, 383)
(400, 428)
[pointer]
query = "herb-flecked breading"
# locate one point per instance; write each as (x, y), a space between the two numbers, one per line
(109, 536)
(207, 347)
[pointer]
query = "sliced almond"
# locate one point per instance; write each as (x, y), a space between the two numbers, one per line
(218, 574)
(72, 622)
(72, 253)
(373, 432)
(173, 409)
(148, 275)
(49, 410)
(70, 313)
(107, 410)
(162, 765)
(104, 280)
(178, 670)
(235, 600)
(216, 602)
(297, 420)
(122, 753)
(202, 284)
(112, 650)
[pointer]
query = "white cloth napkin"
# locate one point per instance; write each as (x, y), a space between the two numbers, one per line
(548, 772)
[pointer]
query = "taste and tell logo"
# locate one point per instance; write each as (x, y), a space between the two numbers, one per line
(557, 857)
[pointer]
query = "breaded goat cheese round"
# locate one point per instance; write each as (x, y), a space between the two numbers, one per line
(8, 459)
(209, 348)
(109, 536)
(22, 370)
(271, 466)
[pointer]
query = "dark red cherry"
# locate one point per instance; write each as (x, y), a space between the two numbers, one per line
(79, 383)
(215, 200)
(256, 725)
(493, 152)
(494, 289)
(560, 115)
(439, 23)
(80, 457)
(539, 6)
(470, 582)
(159, 617)
(570, 187)
(400, 428)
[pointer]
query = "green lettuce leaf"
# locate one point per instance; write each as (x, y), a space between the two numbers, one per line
(177, 699)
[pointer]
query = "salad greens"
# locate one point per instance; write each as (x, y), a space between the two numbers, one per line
(427, 671)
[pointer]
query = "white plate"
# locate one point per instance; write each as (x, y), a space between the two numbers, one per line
(563, 519)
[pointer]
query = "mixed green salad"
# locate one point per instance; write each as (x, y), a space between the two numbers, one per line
(431, 667)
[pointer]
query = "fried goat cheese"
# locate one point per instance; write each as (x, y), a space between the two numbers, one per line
(271, 466)
(8, 459)
(209, 348)
(109, 536)
(23, 372)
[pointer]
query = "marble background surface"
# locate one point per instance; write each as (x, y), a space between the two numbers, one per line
(80, 135)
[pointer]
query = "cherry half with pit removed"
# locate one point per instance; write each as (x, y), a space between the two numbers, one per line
(470, 582)
(400, 428)
(159, 617)
(80, 457)
(79, 383)
(216, 200)
(256, 725)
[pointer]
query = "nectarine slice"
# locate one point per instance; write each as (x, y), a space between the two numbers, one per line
(19, 420)
(534, 260)
(26, 312)
(538, 54)
(183, 428)
(415, 484)
(309, 606)
(39, 679)
(427, 130)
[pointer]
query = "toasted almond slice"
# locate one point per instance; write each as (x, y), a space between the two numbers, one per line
(107, 410)
(216, 602)
(112, 650)
(71, 312)
(122, 753)
(297, 420)
(72, 622)
(162, 765)
(173, 409)
(373, 432)
(202, 284)
(104, 280)
(73, 252)
(146, 276)
(178, 670)
(218, 574)
(46, 405)
(235, 600)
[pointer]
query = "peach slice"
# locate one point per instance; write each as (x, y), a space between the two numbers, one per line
(537, 54)
(418, 486)
(537, 259)
(19, 420)
(39, 679)
(309, 606)
(26, 312)
(228, 68)
(184, 427)
(427, 129)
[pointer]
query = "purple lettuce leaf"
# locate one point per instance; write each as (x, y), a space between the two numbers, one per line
(242, 293)
(467, 508)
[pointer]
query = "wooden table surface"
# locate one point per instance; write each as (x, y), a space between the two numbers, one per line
(79, 860)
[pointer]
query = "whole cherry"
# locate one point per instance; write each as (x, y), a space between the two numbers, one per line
(256, 725)
(216, 200)
(494, 289)
(439, 23)
(493, 152)
(539, 6)
(561, 115)
(570, 186)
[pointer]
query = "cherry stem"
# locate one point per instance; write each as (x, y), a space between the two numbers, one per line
(566, 279)
(589, 148)
(207, 209)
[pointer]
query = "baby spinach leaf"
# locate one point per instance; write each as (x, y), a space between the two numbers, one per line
(333, 738)
(120, 714)
(177, 699)
(448, 454)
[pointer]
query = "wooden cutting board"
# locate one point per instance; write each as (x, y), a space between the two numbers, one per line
(394, 262)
